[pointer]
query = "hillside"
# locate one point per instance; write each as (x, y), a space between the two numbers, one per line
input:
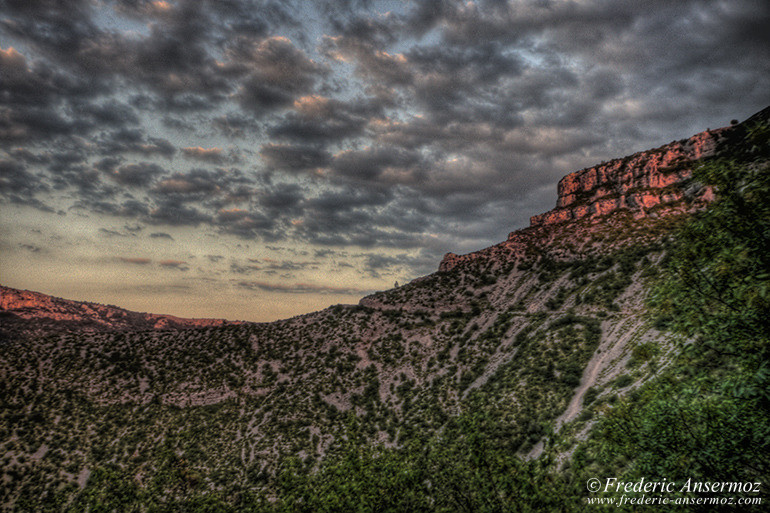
(26, 310)
(543, 333)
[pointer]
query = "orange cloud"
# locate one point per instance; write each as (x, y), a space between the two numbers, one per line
(209, 154)
(135, 260)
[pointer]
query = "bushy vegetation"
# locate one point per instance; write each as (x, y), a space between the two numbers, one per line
(707, 416)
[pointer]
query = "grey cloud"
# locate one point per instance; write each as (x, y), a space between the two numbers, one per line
(31, 248)
(135, 260)
(237, 268)
(130, 209)
(294, 158)
(14, 178)
(299, 288)
(111, 233)
(373, 163)
(107, 113)
(236, 125)
(323, 119)
(282, 197)
(373, 64)
(281, 73)
(172, 212)
(137, 175)
(22, 124)
(247, 224)
(134, 140)
(195, 184)
(213, 155)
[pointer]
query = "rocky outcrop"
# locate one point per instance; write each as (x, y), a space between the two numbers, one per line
(644, 183)
(645, 187)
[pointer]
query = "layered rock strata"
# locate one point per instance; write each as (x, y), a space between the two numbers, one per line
(642, 183)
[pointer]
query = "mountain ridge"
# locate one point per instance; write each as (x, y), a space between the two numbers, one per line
(30, 305)
(644, 187)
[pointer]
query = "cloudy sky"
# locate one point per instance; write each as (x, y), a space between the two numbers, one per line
(257, 159)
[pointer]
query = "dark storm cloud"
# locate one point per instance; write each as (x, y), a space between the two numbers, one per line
(320, 119)
(437, 124)
(137, 175)
(279, 73)
(294, 158)
(15, 179)
(135, 141)
(172, 212)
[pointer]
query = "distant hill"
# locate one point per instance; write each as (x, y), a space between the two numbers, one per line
(41, 311)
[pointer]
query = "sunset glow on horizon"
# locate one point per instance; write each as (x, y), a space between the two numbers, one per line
(255, 160)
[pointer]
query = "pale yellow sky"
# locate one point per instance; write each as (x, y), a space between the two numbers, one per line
(196, 273)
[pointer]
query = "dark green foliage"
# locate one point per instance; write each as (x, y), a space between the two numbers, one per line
(717, 286)
(462, 469)
(623, 381)
(707, 416)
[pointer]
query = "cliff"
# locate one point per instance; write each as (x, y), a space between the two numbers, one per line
(646, 187)
(644, 183)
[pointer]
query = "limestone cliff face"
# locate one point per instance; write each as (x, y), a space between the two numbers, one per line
(642, 183)
(645, 187)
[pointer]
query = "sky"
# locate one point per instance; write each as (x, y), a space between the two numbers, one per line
(259, 159)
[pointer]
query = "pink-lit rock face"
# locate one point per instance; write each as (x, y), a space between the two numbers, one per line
(636, 182)
(646, 187)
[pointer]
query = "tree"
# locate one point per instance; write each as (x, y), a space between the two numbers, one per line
(708, 415)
